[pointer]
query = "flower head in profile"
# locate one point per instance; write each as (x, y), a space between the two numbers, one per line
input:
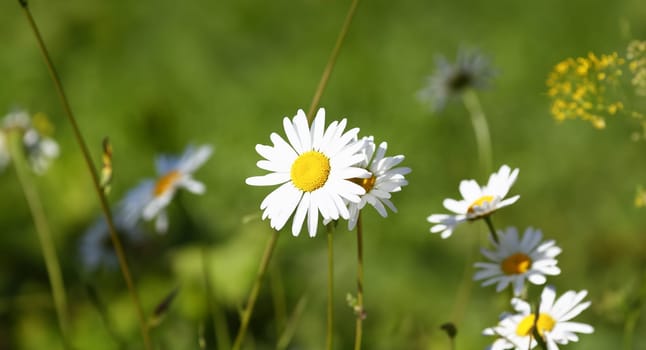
(515, 260)
(515, 331)
(314, 170)
(385, 179)
(472, 70)
(40, 149)
(477, 201)
(150, 198)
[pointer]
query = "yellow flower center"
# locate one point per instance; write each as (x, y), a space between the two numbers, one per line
(165, 182)
(310, 171)
(479, 202)
(367, 184)
(516, 264)
(545, 323)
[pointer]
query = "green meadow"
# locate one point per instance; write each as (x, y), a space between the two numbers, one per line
(157, 76)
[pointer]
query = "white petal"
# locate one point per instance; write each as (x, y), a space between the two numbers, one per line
(299, 217)
(292, 135)
(270, 179)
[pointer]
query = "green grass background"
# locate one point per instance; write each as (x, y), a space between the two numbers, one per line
(155, 76)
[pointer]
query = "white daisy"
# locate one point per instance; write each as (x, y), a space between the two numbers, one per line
(40, 149)
(385, 179)
(515, 331)
(516, 260)
(150, 199)
(314, 170)
(477, 201)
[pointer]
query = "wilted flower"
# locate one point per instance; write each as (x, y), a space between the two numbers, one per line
(515, 331)
(384, 180)
(515, 260)
(477, 201)
(472, 70)
(314, 170)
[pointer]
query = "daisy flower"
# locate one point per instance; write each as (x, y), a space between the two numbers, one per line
(150, 199)
(471, 70)
(39, 148)
(477, 201)
(96, 244)
(385, 179)
(515, 331)
(314, 171)
(515, 260)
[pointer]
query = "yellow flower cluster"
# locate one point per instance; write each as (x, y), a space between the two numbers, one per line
(640, 198)
(579, 88)
(636, 57)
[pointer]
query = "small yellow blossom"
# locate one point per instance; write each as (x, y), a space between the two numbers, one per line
(636, 56)
(580, 88)
(640, 198)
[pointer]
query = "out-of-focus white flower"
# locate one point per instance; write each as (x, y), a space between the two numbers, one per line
(151, 197)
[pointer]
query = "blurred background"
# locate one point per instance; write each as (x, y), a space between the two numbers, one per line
(156, 76)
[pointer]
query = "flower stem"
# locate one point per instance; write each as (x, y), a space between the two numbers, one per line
(255, 289)
(463, 294)
(47, 246)
(332, 60)
(330, 285)
(535, 332)
(480, 127)
(358, 330)
(492, 230)
(220, 328)
(116, 242)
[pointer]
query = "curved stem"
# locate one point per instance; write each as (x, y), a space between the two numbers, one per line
(47, 246)
(492, 230)
(332, 60)
(330, 285)
(359, 307)
(253, 295)
(116, 242)
(480, 127)
(220, 328)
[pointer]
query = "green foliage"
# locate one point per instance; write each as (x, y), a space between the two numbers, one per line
(155, 76)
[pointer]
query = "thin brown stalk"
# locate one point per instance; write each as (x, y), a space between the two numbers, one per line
(253, 295)
(332, 60)
(123, 264)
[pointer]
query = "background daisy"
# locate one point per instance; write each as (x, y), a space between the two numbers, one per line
(471, 70)
(554, 325)
(515, 260)
(384, 179)
(314, 170)
(150, 199)
(477, 201)
(40, 148)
